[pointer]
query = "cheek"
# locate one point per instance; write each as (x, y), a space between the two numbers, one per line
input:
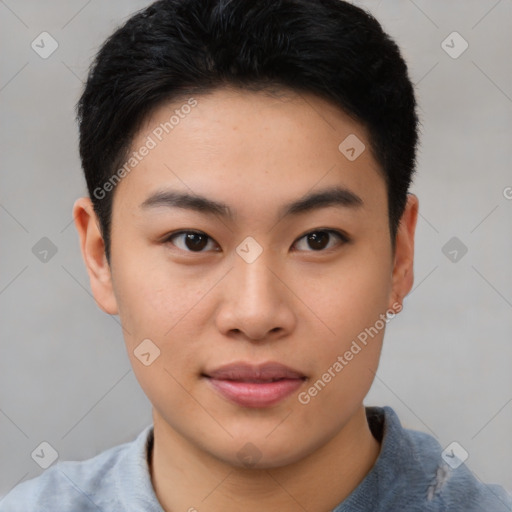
(156, 299)
(170, 308)
(343, 365)
(349, 297)
(351, 303)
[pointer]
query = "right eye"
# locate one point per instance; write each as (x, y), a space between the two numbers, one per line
(191, 241)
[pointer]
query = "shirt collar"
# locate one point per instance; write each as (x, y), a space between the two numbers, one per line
(133, 480)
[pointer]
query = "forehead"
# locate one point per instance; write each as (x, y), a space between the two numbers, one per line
(243, 146)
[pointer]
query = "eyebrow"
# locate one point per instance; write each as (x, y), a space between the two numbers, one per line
(334, 196)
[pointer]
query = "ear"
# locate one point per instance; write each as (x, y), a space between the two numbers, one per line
(93, 253)
(403, 271)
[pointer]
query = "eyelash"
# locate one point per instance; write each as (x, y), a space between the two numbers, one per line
(342, 238)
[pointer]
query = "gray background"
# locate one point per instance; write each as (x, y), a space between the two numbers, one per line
(446, 364)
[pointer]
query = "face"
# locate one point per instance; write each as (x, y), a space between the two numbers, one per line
(252, 255)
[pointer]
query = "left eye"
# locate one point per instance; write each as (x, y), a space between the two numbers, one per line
(192, 241)
(320, 240)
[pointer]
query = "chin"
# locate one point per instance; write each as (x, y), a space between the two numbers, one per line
(264, 454)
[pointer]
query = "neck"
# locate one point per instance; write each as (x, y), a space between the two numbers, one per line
(185, 478)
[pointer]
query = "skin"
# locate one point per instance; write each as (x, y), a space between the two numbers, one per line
(294, 305)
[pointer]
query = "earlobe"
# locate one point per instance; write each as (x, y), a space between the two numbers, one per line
(93, 252)
(403, 267)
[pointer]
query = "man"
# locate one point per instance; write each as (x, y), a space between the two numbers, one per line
(248, 165)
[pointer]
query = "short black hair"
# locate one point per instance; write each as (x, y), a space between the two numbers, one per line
(175, 48)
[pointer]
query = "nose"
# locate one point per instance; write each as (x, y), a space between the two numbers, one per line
(256, 304)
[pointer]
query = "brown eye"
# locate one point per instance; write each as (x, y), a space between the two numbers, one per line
(195, 241)
(320, 240)
(191, 241)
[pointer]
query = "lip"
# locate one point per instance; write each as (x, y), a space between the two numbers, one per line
(250, 385)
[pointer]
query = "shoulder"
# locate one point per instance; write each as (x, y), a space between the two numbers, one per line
(90, 485)
(440, 475)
